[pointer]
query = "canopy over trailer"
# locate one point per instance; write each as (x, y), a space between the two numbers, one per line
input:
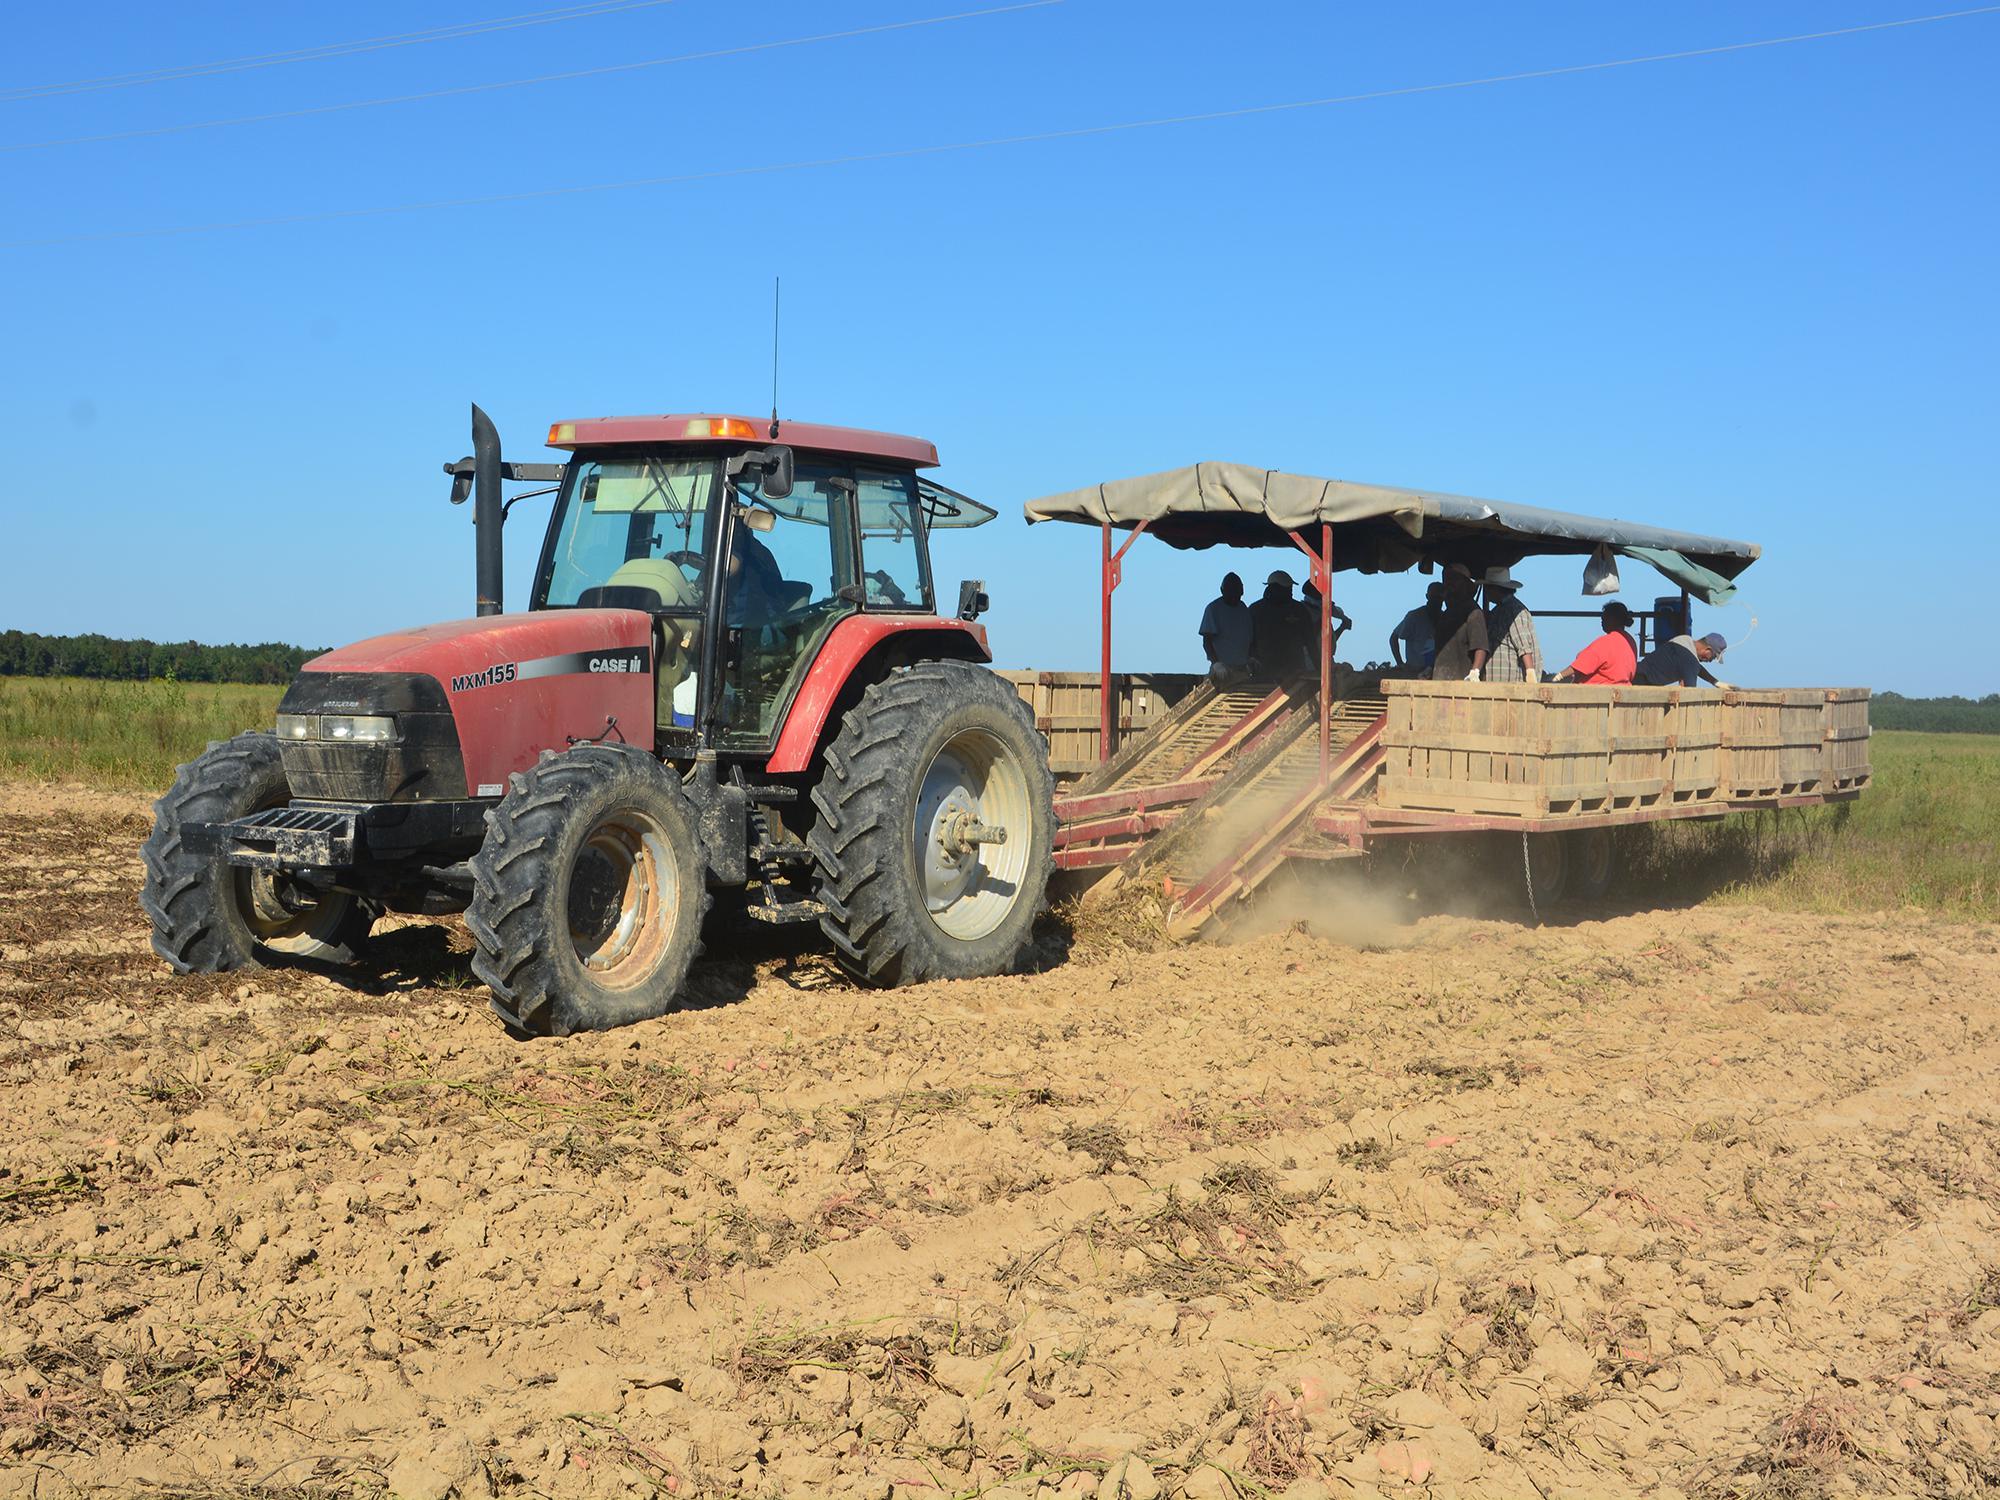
(1372, 528)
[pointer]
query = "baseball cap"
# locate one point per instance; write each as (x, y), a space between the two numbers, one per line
(1716, 644)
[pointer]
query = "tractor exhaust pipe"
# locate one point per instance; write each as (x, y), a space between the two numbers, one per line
(487, 515)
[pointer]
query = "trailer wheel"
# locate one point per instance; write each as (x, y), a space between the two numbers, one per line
(588, 892)
(209, 916)
(1592, 857)
(936, 827)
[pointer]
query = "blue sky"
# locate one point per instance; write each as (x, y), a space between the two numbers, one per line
(1749, 294)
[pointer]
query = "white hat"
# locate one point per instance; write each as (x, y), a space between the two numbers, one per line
(1500, 578)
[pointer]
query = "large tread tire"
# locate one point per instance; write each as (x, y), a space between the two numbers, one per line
(203, 910)
(865, 839)
(539, 873)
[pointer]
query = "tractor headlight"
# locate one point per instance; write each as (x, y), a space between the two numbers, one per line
(367, 728)
(298, 726)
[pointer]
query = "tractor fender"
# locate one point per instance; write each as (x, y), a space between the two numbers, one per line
(865, 647)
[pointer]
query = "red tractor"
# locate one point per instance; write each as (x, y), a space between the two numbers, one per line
(731, 676)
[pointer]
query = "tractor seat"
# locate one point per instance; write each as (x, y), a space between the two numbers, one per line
(664, 580)
(619, 596)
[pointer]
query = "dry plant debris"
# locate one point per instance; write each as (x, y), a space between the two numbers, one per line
(1698, 1202)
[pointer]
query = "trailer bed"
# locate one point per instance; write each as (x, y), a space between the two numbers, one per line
(1224, 789)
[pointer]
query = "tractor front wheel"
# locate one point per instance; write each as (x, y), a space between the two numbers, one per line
(935, 827)
(209, 916)
(588, 892)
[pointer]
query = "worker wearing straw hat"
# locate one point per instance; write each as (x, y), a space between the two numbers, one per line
(1517, 657)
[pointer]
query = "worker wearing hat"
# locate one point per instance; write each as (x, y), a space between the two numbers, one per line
(1278, 646)
(1462, 643)
(1517, 656)
(1681, 660)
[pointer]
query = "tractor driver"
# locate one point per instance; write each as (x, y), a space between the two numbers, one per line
(755, 585)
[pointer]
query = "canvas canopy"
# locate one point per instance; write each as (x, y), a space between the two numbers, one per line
(1381, 529)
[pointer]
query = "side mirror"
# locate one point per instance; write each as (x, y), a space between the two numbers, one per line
(759, 519)
(772, 465)
(777, 471)
(461, 480)
(972, 600)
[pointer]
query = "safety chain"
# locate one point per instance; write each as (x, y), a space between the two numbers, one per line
(1528, 871)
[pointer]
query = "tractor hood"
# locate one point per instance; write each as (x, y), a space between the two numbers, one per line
(515, 685)
(457, 648)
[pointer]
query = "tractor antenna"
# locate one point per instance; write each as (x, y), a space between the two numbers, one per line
(774, 356)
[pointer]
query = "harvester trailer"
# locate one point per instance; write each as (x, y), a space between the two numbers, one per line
(732, 674)
(1238, 781)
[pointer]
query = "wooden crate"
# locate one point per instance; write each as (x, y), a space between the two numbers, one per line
(1846, 764)
(1067, 709)
(1561, 750)
(1753, 742)
(1544, 750)
(1802, 735)
(1697, 750)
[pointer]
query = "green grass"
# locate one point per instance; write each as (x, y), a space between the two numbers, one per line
(1925, 834)
(120, 734)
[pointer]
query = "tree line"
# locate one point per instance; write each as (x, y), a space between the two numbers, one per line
(1936, 715)
(25, 654)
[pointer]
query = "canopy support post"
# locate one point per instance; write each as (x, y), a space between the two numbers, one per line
(1114, 574)
(1325, 571)
(1104, 660)
(1322, 577)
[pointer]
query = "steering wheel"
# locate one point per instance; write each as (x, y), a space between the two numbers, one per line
(684, 560)
(891, 594)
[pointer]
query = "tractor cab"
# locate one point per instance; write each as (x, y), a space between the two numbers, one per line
(748, 556)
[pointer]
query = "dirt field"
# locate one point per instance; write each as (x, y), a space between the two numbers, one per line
(1693, 1203)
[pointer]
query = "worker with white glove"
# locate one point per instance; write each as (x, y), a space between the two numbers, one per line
(1682, 660)
(1462, 645)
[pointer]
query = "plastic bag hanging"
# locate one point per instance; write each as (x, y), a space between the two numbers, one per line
(1600, 574)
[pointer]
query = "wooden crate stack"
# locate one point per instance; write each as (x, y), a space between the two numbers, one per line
(1847, 764)
(1066, 709)
(1561, 750)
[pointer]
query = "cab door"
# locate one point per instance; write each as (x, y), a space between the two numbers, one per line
(785, 583)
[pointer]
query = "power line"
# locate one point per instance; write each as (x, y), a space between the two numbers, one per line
(579, 12)
(518, 83)
(907, 153)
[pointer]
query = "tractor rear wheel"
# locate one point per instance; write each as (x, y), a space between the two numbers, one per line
(208, 915)
(588, 892)
(935, 828)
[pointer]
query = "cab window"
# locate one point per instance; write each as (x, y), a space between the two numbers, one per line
(892, 555)
(633, 535)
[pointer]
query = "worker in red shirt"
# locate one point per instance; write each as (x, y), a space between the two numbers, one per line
(1609, 660)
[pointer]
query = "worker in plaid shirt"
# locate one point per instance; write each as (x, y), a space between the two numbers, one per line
(1516, 655)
